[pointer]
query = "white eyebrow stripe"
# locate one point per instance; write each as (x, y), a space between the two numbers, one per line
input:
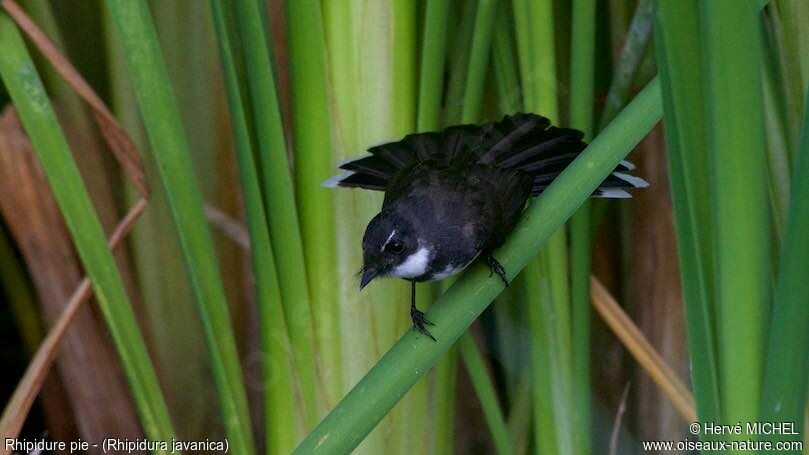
(392, 233)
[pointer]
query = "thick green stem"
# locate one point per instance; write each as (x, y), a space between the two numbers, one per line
(787, 372)
(679, 54)
(741, 211)
(582, 75)
(313, 165)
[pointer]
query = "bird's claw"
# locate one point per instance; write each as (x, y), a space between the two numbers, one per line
(496, 267)
(420, 322)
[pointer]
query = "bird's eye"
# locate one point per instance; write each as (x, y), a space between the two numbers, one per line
(394, 246)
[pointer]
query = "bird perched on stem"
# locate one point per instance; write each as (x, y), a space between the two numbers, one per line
(454, 196)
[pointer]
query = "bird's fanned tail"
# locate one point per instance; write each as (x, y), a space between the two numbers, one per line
(525, 142)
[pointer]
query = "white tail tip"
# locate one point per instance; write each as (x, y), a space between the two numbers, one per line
(334, 182)
(636, 182)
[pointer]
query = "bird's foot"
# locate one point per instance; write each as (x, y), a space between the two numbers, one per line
(496, 267)
(420, 322)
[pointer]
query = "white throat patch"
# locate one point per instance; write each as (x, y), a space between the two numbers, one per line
(414, 265)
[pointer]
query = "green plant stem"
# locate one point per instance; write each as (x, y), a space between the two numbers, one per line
(736, 143)
(25, 88)
(524, 44)
(313, 165)
(519, 418)
(582, 75)
(504, 63)
(544, 362)
(507, 85)
(412, 356)
(486, 394)
(552, 368)
(279, 202)
(679, 54)
(278, 192)
(433, 53)
(478, 61)
(637, 40)
(459, 57)
(405, 81)
(792, 15)
(787, 366)
(170, 147)
(779, 141)
(278, 386)
(446, 371)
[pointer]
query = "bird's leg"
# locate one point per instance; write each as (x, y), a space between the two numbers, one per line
(496, 267)
(419, 321)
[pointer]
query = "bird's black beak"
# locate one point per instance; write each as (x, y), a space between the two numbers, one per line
(368, 275)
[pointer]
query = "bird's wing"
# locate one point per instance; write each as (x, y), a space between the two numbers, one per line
(522, 142)
(377, 170)
(530, 144)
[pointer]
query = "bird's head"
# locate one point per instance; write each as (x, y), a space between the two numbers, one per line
(390, 248)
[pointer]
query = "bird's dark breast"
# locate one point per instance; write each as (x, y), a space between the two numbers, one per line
(459, 212)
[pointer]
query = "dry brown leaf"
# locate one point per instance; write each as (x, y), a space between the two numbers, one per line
(27, 389)
(116, 136)
(87, 362)
(643, 352)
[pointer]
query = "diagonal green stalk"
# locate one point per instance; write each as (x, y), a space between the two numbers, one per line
(679, 54)
(792, 16)
(779, 141)
(637, 40)
(740, 212)
(412, 356)
(313, 165)
(278, 384)
(170, 147)
(167, 299)
(582, 75)
(26, 90)
(787, 366)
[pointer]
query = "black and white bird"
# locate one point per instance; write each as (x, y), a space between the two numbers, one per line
(454, 196)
